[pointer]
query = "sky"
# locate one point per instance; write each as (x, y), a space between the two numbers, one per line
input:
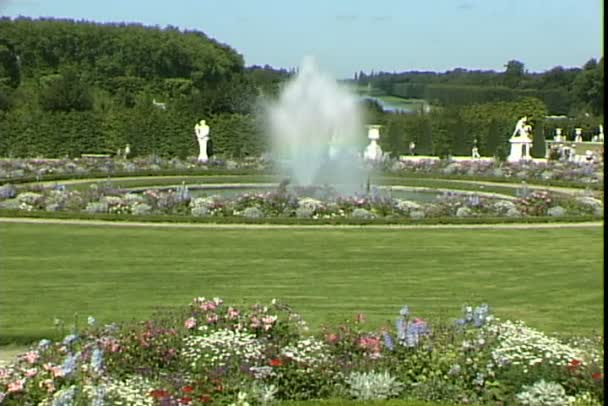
(348, 36)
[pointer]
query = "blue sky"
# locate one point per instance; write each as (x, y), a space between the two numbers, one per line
(346, 36)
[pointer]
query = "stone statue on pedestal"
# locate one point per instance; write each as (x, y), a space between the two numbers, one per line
(521, 143)
(522, 128)
(202, 135)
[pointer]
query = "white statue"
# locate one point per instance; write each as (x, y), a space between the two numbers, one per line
(475, 153)
(558, 135)
(520, 141)
(522, 128)
(578, 135)
(373, 152)
(600, 136)
(202, 135)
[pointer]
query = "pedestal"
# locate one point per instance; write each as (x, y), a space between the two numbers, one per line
(520, 149)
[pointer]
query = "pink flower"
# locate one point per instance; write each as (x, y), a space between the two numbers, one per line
(370, 343)
(208, 306)
(212, 318)
(4, 373)
(16, 386)
(57, 372)
(418, 320)
(233, 313)
(190, 323)
(31, 372)
(31, 356)
(255, 322)
(268, 322)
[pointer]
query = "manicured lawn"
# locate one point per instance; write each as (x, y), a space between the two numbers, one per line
(550, 278)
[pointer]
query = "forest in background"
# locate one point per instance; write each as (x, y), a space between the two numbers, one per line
(72, 87)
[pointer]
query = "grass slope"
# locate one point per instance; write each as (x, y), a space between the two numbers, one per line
(551, 278)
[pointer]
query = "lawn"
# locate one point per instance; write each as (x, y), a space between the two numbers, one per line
(550, 278)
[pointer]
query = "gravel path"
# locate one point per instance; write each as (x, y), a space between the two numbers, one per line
(586, 224)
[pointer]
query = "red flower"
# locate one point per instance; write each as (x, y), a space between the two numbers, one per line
(159, 393)
(188, 389)
(575, 363)
(205, 398)
(598, 376)
(276, 362)
(185, 400)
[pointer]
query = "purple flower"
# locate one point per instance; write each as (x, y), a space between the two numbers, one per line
(388, 341)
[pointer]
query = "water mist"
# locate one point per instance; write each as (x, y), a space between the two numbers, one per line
(317, 131)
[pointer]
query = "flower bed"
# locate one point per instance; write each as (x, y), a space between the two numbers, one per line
(302, 203)
(214, 353)
(551, 172)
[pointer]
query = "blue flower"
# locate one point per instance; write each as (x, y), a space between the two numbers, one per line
(480, 315)
(44, 344)
(401, 326)
(70, 339)
(97, 360)
(388, 341)
(69, 365)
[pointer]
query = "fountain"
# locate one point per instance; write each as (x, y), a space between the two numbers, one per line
(317, 131)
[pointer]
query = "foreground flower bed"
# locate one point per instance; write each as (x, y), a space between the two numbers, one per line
(214, 353)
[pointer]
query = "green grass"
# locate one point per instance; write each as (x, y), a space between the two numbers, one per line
(550, 278)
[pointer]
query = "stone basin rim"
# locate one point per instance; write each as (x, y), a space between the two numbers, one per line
(220, 186)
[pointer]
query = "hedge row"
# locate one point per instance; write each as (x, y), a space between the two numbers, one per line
(148, 131)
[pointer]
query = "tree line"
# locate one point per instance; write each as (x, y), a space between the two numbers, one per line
(72, 87)
(565, 91)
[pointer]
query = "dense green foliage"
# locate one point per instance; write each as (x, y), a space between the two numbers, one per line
(69, 88)
(564, 91)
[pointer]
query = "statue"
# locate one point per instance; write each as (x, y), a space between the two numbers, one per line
(475, 152)
(202, 135)
(600, 136)
(522, 128)
(520, 141)
(373, 152)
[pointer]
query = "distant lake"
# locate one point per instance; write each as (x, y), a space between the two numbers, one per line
(391, 108)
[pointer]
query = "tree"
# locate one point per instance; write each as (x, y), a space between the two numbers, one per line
(10, 74)
(66, 92)
(514, 73)
(589, 87)
(538, 141)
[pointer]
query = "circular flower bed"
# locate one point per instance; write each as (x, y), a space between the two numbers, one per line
(303, 203)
